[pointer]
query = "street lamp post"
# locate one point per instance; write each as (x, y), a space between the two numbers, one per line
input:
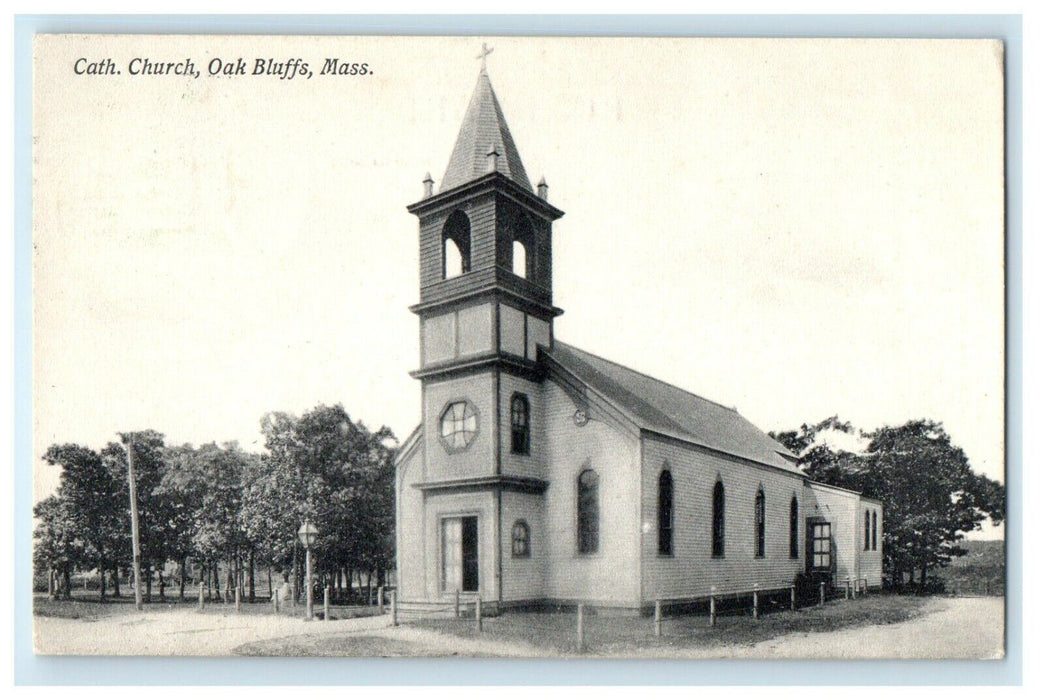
(307, 535)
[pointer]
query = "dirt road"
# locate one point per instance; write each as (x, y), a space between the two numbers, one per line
(959, 628)
(953, 628)
(970, 628)
(178, 632)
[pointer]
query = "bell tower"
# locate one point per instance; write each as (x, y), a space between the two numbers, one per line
(485, 254)
(485, 311)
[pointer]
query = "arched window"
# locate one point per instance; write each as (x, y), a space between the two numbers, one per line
(718, 515)
(793, 527)
(587, 512)
(519, 259)
(453, 261)
(519, 424)
(456, 245)
(866, 530)
(875, 531)
(759, 524)
(666, 514)
(520, 539)
(522, 240)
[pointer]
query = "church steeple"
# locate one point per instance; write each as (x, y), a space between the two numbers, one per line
(485, 254)
(484, 130)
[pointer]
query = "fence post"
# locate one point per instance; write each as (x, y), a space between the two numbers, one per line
(714, 611)
(395, 608)
(793, 598)
(275, 600)
(755, 605)
(326, 603)
(201, 594)
(822, 593)
(478, 612)
(580, 627)
(658, 619)
(380, 600)
(456, 604)
(239, 601)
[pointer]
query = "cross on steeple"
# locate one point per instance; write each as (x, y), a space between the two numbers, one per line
(485, 52)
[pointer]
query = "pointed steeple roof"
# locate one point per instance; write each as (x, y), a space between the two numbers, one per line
(483, 132)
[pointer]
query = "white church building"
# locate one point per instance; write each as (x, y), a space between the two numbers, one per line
(544, 474)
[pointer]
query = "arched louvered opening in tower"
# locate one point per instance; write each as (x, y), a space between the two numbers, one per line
(523, 247)
(456, 245)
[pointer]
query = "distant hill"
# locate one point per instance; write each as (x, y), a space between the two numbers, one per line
(982, 566)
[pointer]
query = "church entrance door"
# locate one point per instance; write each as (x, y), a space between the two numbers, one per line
(820, 546)
(460, 569)
(469, 551)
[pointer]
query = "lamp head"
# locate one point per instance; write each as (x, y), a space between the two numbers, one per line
(307, 534)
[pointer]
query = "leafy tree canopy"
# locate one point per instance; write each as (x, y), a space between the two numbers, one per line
(930, 494)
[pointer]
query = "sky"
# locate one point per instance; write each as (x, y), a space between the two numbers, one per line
(797, 228)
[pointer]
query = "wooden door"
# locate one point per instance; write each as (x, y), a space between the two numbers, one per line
(452, 566)
(469, 554)
(819, 550)
(460, 561)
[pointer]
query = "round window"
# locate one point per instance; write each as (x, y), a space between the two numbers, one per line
(458, 425)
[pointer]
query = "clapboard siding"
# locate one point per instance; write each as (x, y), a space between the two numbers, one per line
(509, 213)
(524, 578)
(478, 458)
(841, 508)
(456, 286)
(409, 531)
(543, 256)
(533, 464)
(870, 560)
(481, 213)
(611, 575)
(508, 280)
(692, 570)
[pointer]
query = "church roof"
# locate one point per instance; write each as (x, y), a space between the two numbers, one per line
(484, 127)
(663, 408)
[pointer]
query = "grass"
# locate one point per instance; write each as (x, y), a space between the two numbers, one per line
(615, 633)
(81, 608)
(88, 607)
(980, 570)
(339, 645)
(544, 632)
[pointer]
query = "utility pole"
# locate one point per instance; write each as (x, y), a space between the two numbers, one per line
(129, 443)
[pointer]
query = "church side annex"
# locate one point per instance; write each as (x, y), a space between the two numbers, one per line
(542, 474)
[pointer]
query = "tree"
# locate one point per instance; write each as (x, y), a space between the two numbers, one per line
(191, 484)
(270, 514)
(333, 471)
(930, 494)
(89, 494)
(56, 548)
(817, 457)
(220, 505)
